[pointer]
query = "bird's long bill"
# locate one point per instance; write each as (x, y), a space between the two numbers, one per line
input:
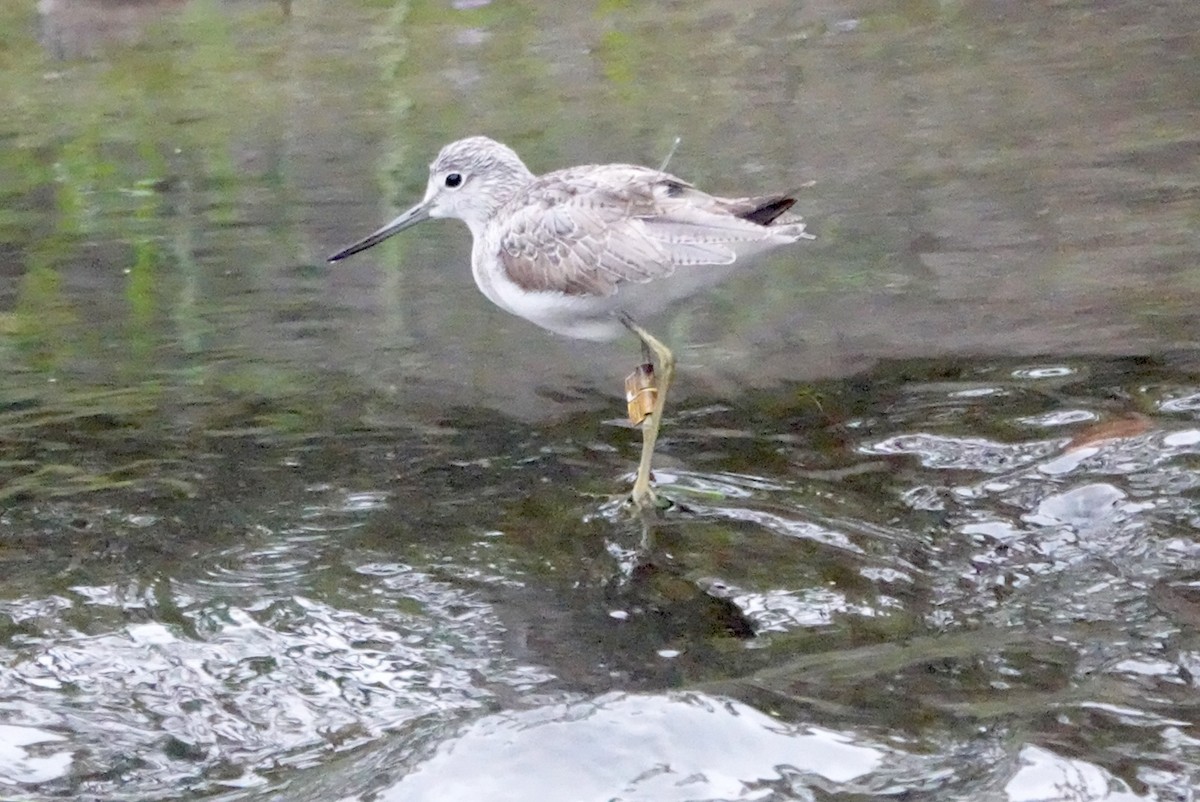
(410, 218)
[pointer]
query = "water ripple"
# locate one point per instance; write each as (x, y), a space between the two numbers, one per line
(257, 688)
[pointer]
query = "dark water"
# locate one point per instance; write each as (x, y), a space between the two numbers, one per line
(271, 530)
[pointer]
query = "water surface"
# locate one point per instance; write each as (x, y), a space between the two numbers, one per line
(277, 530)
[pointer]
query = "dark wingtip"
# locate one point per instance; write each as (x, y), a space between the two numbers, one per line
(765, 213)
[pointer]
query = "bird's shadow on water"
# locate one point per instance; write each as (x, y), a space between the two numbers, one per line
(672, 597)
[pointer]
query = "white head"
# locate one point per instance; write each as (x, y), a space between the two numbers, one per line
(470, 179)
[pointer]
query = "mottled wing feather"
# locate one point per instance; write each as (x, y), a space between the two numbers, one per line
(577, 249)
(587, 230)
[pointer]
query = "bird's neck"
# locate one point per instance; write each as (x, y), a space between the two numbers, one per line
(505, 185)
(513, 179)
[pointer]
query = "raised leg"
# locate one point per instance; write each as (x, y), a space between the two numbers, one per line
(642, 495)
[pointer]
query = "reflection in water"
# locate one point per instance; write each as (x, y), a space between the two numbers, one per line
(1045, 775)
(22, 765)
(77, 29)
(348, 600)
(249, 686)
(72, 29)
(682, 747)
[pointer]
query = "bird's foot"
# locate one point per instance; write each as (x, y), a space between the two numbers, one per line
(643, 500)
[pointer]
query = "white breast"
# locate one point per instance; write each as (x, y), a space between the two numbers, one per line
(581, 317)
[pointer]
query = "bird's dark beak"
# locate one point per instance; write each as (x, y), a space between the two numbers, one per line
(410, 218)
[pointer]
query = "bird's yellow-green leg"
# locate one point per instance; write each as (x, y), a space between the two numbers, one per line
(642, 495)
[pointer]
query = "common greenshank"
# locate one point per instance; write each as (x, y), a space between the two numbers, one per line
(587, 251)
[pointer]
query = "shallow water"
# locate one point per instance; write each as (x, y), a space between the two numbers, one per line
(273, 530)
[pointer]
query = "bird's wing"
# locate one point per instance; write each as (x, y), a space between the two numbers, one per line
(587, 230)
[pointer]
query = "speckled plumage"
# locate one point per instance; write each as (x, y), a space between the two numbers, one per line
(570, 249)
(587, 230)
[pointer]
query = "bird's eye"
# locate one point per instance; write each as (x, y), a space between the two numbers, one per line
(454, 180)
